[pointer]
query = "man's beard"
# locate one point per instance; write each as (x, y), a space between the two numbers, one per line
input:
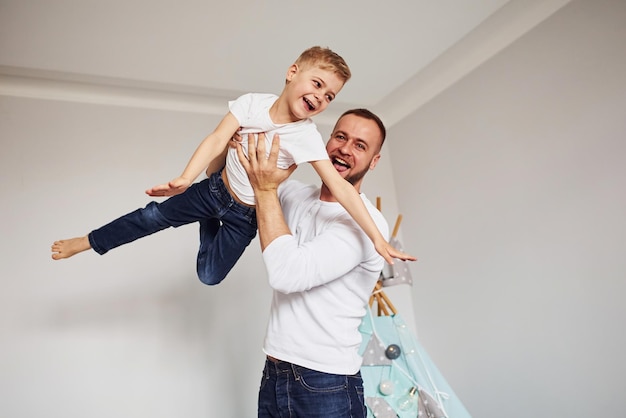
(356, 177)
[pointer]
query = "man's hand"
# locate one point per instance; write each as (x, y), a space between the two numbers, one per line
(174, 187)
(265, 177)
(262, 171)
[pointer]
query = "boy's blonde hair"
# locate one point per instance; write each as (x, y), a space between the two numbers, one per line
(325, 59)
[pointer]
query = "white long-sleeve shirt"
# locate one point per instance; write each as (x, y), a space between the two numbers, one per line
(322, 275)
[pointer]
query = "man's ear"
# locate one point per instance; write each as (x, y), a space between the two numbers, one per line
(374, 161)
(291, 72)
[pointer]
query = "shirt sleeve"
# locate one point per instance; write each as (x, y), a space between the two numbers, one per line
(310, 148)
(330, 255)
(240, 108)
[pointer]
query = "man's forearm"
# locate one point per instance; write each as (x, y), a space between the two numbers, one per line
(270, 219)
(265, 177)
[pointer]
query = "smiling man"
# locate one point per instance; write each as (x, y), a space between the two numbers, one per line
(322, 268)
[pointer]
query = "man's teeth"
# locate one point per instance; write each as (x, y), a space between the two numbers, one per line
(341, 162)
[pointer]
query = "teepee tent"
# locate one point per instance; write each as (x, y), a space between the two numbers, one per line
(400, 379)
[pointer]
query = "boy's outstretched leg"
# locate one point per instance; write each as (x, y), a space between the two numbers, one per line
(66, 248)
(178, 210)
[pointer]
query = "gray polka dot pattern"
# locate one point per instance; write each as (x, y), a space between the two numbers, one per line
(399, 270)
(374, 354)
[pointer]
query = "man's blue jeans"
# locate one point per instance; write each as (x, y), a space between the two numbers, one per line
(291, 391)
(226, 226)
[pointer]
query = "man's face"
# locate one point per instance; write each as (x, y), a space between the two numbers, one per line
(354, 147)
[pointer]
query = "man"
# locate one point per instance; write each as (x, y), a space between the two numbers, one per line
(322, 268)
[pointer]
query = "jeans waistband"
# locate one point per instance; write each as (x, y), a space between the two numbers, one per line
(216, 181)
(279, 365)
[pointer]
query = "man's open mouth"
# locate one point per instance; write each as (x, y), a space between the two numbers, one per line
(340, 164)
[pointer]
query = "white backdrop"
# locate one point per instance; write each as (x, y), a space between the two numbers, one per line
(517, 185)
(511, 184)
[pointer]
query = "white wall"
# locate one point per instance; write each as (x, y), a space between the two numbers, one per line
(514, 183)
(511, 184)
(132, 333)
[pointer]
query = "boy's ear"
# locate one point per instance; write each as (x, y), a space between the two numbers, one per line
(291, 72)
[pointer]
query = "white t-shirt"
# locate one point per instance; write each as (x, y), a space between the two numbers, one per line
(322, 277)
(299, 141)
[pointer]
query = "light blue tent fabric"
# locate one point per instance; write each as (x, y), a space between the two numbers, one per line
(413, 368)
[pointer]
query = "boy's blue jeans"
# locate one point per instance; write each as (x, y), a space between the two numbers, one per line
(290, 391)
(226, 226)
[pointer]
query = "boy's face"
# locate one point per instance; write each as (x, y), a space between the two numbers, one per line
(310, 90)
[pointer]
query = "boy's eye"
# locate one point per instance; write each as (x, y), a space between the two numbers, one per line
(317, 83)
(329, 97)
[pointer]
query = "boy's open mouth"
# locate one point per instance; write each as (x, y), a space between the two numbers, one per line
(309, 104)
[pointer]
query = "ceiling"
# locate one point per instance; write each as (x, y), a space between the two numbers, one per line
(192, 54)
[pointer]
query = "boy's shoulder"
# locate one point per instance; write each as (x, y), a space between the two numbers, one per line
(252, 110)
(256, 98)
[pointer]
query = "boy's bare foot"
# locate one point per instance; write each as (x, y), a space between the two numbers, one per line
(68, 247)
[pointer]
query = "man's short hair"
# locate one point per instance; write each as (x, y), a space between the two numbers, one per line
(325, 59)
(366, 114)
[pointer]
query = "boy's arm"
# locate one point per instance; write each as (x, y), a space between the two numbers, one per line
(218, 163)
(349, 198)
(211, 148)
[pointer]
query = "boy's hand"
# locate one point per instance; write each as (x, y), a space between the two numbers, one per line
(389, 253)
(174, 187)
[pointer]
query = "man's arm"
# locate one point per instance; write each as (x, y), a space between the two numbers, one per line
(265, 177)
(293, 267)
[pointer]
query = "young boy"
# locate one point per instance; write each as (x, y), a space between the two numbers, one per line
(223, 204)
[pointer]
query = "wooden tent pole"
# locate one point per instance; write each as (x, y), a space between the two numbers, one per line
(397, 226)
